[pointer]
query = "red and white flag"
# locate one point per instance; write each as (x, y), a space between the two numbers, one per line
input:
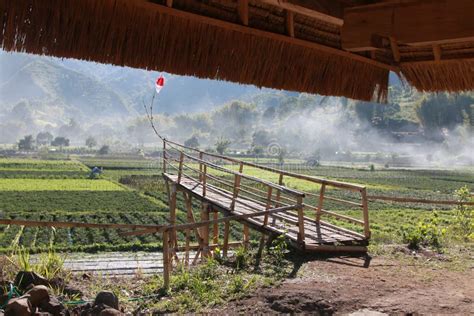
(160, 82)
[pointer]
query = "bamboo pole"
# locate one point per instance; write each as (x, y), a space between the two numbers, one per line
(246, 236)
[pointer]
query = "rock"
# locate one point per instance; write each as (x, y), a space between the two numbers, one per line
(38, 294)
(111, 312)
(107, 298)
(367, 312)
(19, 307)
(26, 278)
(53, 306)
(72, 291)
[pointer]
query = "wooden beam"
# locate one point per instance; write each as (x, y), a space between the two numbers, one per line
(243, 9)
(411, 22)
(290, 24)
(395, 49)
(169, 3)
(437, 52)
(329, 11)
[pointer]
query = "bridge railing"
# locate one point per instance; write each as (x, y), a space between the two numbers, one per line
(230, 173)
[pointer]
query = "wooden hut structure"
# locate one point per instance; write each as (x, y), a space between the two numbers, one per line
(331, 47)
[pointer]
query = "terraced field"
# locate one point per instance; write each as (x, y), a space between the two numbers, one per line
(132, 191)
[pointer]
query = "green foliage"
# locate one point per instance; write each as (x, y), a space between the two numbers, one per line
(242, 258)
(192, 142)
(91, 142)
(104, 150)
(464, 215)
(222, 145)
(27, 143)
(427, 233)
(60, 142)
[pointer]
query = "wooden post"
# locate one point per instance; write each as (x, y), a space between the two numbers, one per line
(300, 219)
(200, 166)
(188, 202)
(164, 156)
(205, 229)
(172, 219)
(237, 180)
(278, 196)
(268, 206)
(321, 202)
(204, 180)
(290, 25)
(261, 245)
(215, 229)
(365, 209)
(166, 256)
(246, 236)
(226, 237)
(180, 168)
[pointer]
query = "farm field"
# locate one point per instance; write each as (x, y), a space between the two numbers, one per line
(132, 191)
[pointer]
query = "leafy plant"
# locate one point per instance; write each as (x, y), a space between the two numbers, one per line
(464, 216)
(427, 233)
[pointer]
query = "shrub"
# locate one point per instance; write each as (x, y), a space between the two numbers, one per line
(427, 233)
(464, 217)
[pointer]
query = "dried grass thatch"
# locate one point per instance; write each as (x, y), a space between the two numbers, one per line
(137, 34)
(450, 75)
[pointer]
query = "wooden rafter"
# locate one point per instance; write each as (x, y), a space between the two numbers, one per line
(290, 24)
(329, 11)
(411, 22)
(243, 9)
(395, 49)
(437, 52)
(264, 34)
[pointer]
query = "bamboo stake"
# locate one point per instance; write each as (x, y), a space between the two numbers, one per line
(205, 229)
(215, 229)
(246, 236)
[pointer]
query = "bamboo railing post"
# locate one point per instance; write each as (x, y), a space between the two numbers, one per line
(299, 203)
(365, 209)
(166, 261)
(164, 156)
(226, 238)
(321, 202)
(189, 218)
(200, 166)
(268, 206)
(278, 195)
(180, 168)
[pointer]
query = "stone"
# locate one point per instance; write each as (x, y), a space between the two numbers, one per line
(38, 294)
(111, 312)
(24, 279)
(19, 307)
(53, 306)
(107, 298)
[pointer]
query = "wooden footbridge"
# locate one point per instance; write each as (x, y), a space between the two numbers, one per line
(228, 188)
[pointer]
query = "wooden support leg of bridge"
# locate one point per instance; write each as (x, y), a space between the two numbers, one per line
(226, 238)
(166, 260)
(205, 229)
(215, 229)
(246, 236)
(261, 245)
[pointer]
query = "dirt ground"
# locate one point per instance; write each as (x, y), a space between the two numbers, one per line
(348, 285)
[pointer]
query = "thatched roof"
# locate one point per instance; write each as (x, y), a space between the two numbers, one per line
(297, 45)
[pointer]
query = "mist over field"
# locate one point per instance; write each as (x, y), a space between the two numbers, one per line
(80, 100)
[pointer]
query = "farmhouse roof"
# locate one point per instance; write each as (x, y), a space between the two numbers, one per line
(331, 47)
